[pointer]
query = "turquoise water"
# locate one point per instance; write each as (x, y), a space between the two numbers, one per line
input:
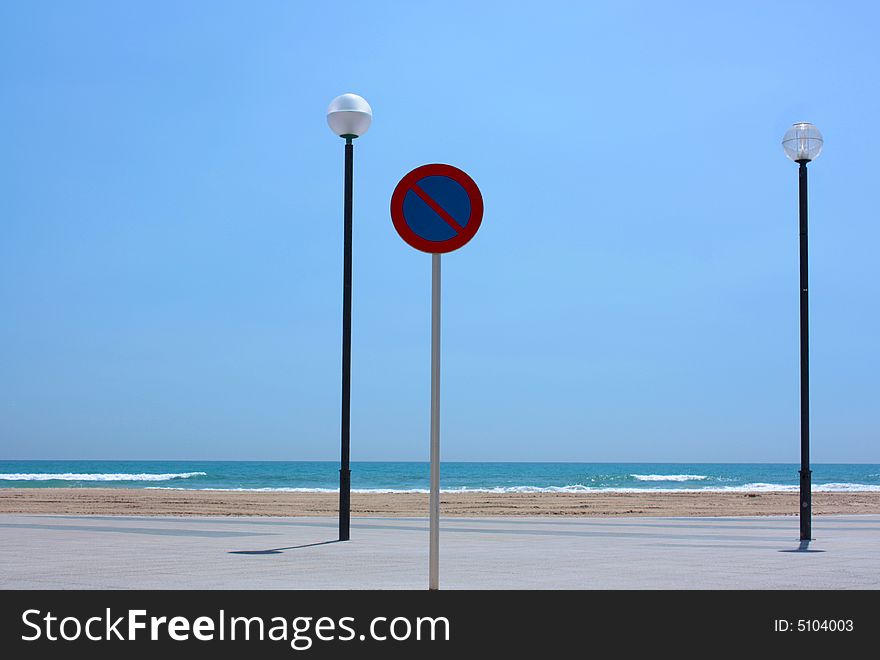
(413, 477)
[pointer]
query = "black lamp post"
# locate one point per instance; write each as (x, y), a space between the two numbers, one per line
(802, 144)
(349, 116)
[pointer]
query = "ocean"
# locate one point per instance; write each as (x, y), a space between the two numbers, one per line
(455, 477)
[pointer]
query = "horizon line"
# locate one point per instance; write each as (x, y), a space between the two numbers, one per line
(335, 461)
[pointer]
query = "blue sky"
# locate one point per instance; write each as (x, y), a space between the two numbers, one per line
(171, 253)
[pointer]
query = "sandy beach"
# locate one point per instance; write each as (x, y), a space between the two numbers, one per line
(120, 501)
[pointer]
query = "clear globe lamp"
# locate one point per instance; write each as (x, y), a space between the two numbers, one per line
(802, 142)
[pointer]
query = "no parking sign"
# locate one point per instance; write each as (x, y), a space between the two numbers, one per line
(436, 209)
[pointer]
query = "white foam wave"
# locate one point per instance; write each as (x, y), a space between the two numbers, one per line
(816, 488)
(72, 476)
(576, 488)
(302, 490)
(669, 477)
(837, 488)
(761, 488)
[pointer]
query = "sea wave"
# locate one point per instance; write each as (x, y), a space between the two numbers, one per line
(789, 488)
(99, 476)
(669, 477)
(836, 488)
(574, 488)
(302, 490)
(577, 488)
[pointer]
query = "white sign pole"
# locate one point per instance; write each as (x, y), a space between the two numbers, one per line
(434, 505)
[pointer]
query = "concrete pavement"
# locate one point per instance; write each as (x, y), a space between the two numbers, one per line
(102, 552)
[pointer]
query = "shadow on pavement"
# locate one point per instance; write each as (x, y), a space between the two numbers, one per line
(803, 547)
(278, 551)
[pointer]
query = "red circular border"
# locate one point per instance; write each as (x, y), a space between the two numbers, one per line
(416, 241)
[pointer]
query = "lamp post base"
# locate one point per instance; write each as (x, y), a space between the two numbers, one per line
(344, 505)
(806, 504)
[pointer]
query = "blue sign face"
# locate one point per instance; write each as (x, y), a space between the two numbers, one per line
(427, 195)
(436, 208)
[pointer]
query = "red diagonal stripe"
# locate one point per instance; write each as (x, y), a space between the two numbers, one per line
(439, 210)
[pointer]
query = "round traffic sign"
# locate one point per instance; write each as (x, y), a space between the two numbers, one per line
(436, 208)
